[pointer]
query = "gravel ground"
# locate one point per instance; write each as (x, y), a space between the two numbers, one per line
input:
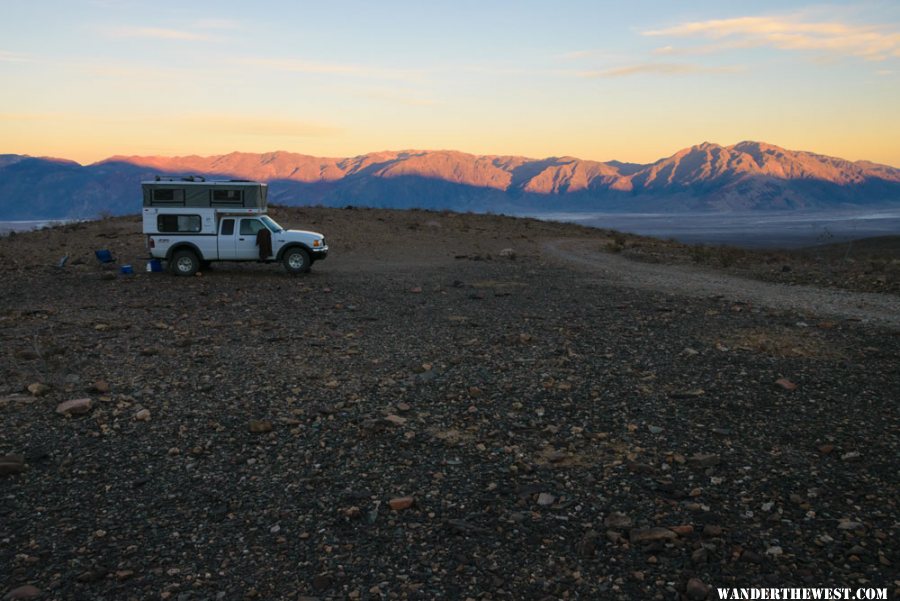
(423, 418)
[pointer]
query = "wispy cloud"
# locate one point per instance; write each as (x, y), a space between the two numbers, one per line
(158, 33)
(658, 69)
(248, 125)
(219, 124)
(316, 67)
(869, 42)
(13, 57)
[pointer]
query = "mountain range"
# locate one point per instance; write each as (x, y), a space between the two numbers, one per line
(707, 177)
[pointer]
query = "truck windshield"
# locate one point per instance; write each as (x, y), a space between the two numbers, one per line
(270, 223)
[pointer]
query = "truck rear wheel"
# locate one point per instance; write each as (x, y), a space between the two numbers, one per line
(185, 262)
(296, 260)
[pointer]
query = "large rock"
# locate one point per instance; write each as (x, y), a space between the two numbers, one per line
(26, 591)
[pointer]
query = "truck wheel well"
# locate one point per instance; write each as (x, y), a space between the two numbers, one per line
(287, 247)
(183, 246)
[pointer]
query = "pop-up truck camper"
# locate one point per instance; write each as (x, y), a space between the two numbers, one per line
(191, 222)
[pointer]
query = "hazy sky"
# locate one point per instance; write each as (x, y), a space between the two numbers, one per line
(598, 80)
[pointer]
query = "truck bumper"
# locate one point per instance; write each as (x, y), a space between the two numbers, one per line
(318, 254)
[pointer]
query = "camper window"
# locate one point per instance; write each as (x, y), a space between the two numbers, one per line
(227, 227)
(168, 196)
(230, 197)
(178, 223)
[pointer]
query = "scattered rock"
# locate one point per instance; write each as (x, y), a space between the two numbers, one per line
(617, 519)
(545, 499)
(712, 531)
(683, 530)
(704, 460)
(74, 407)
(846, 524)
(395, 420)
(11, 464)
(100, 387)
(696, 589)
(143, 415)
(646, 535)
(26, 591)
(687, 394)
(401, 503)
(785, 383)
(38, 389)
(508, 253)
(260, 426)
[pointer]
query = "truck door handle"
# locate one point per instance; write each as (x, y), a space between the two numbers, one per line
(240, 238)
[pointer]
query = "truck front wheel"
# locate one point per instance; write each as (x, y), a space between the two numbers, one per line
(296, 260)
(185, 262)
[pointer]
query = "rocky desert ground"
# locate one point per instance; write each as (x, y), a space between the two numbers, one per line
(431, 415)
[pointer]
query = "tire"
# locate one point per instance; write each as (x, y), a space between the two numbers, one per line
(296, 260)
(185, 262)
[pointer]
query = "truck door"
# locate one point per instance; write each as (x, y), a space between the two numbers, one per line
(245, 245)
(226, 239)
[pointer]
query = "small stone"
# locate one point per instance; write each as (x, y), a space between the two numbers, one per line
(545, 499)
(712, 530)
(617, 519)
(775, 551)
(401, 503)
(785, 383)
(38, 389)
(654, 429)
(143, 415)
(851, 456)
(122, 575)
(646, 535)
(683, 530)
(704, 460)
(696, 589)
(320, 582)
(260, 426)
(850, 525)
(700, 555)
(74, 407)
(403, 407)
(416, 290)
(508, 253)
(11, 464)
(688, 394)
(100, 387)
(23, 592)
(395, 419)
(825, 449)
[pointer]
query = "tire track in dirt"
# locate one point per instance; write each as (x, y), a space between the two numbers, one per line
(680, 280)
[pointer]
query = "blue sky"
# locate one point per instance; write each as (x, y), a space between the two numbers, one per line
(598, 80)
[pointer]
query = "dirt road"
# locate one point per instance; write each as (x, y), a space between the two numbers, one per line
(881, 309)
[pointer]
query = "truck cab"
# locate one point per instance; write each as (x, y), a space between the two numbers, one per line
(190, 222)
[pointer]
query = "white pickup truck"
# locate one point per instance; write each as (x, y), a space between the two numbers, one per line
(191, 222)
